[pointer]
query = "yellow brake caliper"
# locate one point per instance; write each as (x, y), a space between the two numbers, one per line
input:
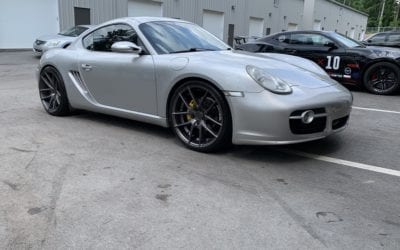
(192, 105)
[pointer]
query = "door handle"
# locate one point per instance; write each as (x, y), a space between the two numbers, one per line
(86, 67)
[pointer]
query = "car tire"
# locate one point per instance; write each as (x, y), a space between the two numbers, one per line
(52, 92)
(382, 78)
(200, 117)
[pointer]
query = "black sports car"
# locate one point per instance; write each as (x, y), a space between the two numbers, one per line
(386, 39)
(344, 59)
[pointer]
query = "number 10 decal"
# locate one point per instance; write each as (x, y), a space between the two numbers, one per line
(336, 62)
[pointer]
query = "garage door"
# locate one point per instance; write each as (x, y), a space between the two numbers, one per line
(352, 33)
(144, 8)
(256, 27)
(213, 21)
(292, 26)
(21, 22)
(317, 25)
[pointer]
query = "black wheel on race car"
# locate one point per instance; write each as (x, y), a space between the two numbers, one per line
(382, 78)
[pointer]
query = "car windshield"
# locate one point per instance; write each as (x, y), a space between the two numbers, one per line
(348, 42)
(74, 31)
(180, 37)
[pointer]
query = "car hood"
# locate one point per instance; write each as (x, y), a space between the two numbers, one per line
(294, 75)
(56, 37)
(379, 51)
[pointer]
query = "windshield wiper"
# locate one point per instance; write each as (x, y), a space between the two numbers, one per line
(191, 50)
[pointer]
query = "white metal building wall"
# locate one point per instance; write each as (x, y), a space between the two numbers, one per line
(21, 21)
(243, 14)
(339, 18)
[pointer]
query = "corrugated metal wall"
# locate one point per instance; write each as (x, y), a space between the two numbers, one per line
(100, 10)
(237, 12)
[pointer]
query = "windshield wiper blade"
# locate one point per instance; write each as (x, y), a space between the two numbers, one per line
(191, 50)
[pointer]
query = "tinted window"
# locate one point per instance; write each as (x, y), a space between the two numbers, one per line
(283, 38)
(394, 38)
(377, 38)
(103, 38)
(309, 39)
(348, 42)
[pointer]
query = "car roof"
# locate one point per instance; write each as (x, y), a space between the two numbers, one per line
(298, 32)
(86, 26)
(144, 19)
(387, 33)
(306, 31)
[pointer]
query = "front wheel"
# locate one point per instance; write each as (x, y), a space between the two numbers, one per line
(382, 78)
(200, 117)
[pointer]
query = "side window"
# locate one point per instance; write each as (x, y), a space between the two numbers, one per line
(394, 38)
(309, 39)
(377, 38)
(102, 39)
(284, 38)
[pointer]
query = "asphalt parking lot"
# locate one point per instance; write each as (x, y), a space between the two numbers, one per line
(95, 181)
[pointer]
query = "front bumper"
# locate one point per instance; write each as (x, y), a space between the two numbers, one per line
(265, 118)
(38, 50)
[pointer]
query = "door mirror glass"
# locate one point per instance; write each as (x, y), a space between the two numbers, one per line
(331, 45)
(126, 47)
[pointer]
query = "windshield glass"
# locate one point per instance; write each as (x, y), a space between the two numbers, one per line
(74, 31)
(348, 42)
(176, 37)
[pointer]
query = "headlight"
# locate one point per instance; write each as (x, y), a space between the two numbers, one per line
(53, 43)
(268, 81)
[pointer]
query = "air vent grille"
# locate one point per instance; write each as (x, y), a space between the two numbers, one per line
(78, 79)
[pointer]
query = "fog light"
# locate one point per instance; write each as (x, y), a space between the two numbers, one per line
(307, 117)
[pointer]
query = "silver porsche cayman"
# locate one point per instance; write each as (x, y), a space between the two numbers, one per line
(175, 74)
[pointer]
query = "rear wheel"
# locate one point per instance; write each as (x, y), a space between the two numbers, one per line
(52, 92)
(200, 117)
(382, 78)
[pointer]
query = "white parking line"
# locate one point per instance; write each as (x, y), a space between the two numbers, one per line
(377, 110)
(343, 162)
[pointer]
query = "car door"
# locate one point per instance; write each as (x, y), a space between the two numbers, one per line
(328, 54)
(119, 80)
(393, 40)
(377, 40)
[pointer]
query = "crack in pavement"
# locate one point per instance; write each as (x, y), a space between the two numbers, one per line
(57, 185)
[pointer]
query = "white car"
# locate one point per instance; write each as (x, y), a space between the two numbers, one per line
(60, 40)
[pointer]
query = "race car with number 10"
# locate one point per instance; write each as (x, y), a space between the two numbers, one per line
(344, 59)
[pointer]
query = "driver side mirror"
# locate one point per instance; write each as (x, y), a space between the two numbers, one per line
(126, 47)
(331, 45)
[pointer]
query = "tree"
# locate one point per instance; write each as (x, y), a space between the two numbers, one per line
(373, 8)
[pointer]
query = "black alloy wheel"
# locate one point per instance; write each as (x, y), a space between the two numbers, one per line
(52, 92)
(200, 117)
(382, 78)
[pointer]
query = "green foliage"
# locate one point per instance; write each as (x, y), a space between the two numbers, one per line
(373, 8)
